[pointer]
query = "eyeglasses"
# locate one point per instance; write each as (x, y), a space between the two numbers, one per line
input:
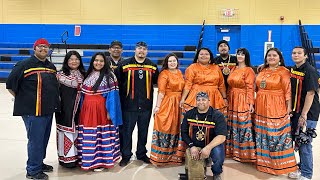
(43, 47)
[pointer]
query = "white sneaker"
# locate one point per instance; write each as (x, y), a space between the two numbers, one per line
(98, 169)
(303, 178)
(295, 175)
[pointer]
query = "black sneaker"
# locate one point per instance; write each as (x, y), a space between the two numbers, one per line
(183, 176)
(145, 159)
(124, 162)
(47, 168)
(39, 176)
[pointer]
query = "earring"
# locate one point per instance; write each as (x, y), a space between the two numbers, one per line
(279, 63)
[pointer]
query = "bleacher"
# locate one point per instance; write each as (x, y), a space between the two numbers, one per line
(11, 53)
(313, 52)
(317, 61)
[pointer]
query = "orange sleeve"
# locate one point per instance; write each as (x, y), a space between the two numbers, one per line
(286, 83)
(222, 86)
(190, 74)
(162, 82)
(249, 80)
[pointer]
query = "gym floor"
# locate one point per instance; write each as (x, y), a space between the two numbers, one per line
(13, 157)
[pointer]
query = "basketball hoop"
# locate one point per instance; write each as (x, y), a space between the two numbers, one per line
(228, 13)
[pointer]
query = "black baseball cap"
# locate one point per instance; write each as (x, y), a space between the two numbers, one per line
(116, 42)
(141, 43)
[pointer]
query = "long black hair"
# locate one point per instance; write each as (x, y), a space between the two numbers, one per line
(66, 69)
(104, 72)
(246, 56)
(166, 59)
(195, 59)
(280, 56)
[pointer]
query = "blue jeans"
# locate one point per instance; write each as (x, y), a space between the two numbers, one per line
(306, 156)
(38, 133)
(217, 156)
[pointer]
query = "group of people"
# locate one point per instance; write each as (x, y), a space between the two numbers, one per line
(211, 111)
(268, 116)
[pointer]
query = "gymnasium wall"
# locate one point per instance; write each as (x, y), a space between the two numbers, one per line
(166, 22)
(166, 12)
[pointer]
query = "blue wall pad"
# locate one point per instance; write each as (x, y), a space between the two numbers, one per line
(174, 37)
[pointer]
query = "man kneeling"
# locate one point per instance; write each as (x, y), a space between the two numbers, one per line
(204, 130)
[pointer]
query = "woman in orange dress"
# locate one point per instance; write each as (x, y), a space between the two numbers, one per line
(274, 148)
(167, 114)
(204, 76)
(240, 143)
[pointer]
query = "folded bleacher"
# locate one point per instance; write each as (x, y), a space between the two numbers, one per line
(11, 53)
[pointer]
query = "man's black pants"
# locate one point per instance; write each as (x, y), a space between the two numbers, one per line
(130, 119)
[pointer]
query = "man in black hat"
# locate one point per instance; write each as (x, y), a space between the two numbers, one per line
(136, 77)
(225, 61)
(204, 130)
(115, 50)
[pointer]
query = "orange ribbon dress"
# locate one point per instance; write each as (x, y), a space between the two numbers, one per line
(208, 79)
(240, 143)
(164, 147)
(275, 153)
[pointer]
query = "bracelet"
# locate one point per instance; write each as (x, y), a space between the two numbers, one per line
(302, 118)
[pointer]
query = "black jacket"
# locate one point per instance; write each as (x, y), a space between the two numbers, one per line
(36, 87)
(136, 82)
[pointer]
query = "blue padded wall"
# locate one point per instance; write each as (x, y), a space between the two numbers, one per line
(252, 37)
